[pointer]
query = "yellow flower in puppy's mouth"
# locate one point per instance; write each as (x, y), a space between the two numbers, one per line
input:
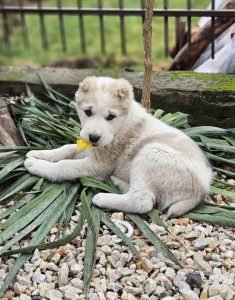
(83, 144)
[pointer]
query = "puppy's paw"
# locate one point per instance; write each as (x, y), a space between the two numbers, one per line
(40, 154)
(29, 162)
(36, 166)
(101, 200)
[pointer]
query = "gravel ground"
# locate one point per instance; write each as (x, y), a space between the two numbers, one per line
(206, 252)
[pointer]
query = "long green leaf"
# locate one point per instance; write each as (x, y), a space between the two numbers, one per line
(61, 242)
(112, 226)
(4, 161)
(220, 144)
(86, 203)
(20, 149)
(223, 183)
(90, 250)
(59, 94)
(29, 212)
(50, 91)
(69, 210)
(70, 191)
(228, 207)
(214, 140)
(223, 171)
(89, 182)
(15, 173)
(205, 130)
(156, 219)
(11, 166)
(16, 206)
(38, 238)
(230, 140)
(222, 192)
(36, 205)
(41, 216)
(177, 119)
(14, 270)
(220, 159)
(216, 209)
(211, 219)
(158, 113)
(21, 184)
(38, 185)
(153, 238)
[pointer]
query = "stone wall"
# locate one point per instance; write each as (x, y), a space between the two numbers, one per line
(208, 98)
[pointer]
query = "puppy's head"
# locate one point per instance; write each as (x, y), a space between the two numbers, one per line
(103, 104)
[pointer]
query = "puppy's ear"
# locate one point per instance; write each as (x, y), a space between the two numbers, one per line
(85, 87)
(87, 84)
(122, 89)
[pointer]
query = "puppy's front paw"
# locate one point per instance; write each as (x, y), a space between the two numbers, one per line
(40, 154)
(29, 162)
(33, 153)
(101, 200)
(36, 166)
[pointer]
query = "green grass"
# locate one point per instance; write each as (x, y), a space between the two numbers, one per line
(37, 56)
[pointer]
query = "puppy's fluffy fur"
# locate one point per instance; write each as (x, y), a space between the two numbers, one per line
(149, 161)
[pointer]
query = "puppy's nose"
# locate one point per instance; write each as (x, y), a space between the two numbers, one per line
(94, 138)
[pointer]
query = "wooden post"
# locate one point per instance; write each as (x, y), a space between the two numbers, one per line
(147, 35)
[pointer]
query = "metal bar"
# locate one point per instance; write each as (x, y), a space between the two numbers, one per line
(213, 31)
(135, 12)
(189, 26)
(177, 26)
(5, 26)
(61, 23)
(122, 29)
(142, 3)
(101, 21)
(166, 29)
(40, 10)
(24, 27)
(81, 27)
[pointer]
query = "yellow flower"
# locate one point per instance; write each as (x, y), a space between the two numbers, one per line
(83, 144)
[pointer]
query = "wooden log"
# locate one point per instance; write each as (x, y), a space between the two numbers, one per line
(9, 135)
(178, 45)
(200, 40)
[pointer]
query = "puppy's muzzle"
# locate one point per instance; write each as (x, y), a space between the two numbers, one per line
(94, 138)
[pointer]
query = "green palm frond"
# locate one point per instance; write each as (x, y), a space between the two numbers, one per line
(41, 205)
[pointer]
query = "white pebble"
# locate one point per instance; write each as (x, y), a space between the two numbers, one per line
(24, 297)
(111, 296)
(39, 278)
(19, 289)
(150, 285)
(63, 274)
(54, 295)
(147, 265)
(170, 273)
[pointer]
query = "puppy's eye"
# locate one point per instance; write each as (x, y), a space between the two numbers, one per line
(88, 112)
(110, 117)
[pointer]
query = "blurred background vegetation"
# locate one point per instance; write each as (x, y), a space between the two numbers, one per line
(36, 56)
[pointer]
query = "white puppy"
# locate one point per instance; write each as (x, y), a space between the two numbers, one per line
(149, 161)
